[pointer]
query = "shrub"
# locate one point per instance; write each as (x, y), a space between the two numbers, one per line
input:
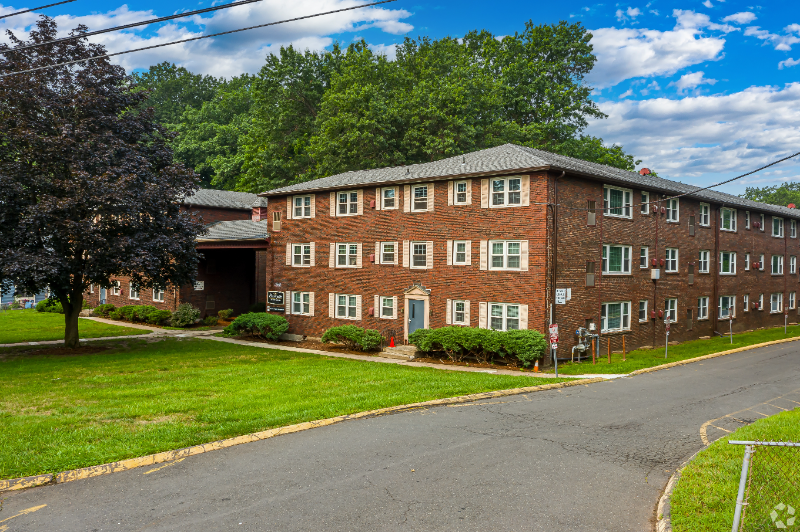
(142, 312)
(49, 305)
(354, 337)
(225, 314)
(210, 320)
(260, 307)
(261, 324)
(103, 310)
(157, 317)
(185, 315)
(459, 343)
(128, 312)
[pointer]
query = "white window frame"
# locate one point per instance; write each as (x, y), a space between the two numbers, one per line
(132, 291)
(159, 294)
(673, 210)
(779, 265)
(627, 194)
(394, 198)
(456, 193)
(626, 259)
(702, 308)
(411, 249)
(91, 288)
(645, 256)
(747, 219)
(305, 258)
(382, 252)
(747, 262)
(780, 227)
(643, 307)
(505, 318)
(645, 206)
(349, 255)
(793, 228)
(761, 262)
(731, 304)
(116, 288)
(624, 316)
(732, 212)
(302, 207)
(760, 301)
(762, 228)
(731, 263)
(382, 301)
(746, 303)
(506, 255)
(301, 306)
(671, 260)
(351, 302)
(413, 197)
(792, 264)
(671, 309)
(466, 244)
(455, 312)
(792, 300)
(776, 301)
(705, 214)
(507, 193)
(703, 261)
(351, 204)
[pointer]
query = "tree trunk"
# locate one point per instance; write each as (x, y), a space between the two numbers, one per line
(71, 338)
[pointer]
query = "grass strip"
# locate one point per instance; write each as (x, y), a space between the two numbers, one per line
(30, 326)
(142, 397)
(704, 499)
(648, 358)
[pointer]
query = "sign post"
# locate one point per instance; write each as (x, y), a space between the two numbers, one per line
(666, 341)
(554, 344)
(730, 321)
(785, 319)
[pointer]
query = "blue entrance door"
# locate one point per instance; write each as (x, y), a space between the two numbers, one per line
(102, 296)
(416, 315)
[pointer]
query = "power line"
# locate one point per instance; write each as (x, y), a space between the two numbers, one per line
(191, 39)
(35, 9)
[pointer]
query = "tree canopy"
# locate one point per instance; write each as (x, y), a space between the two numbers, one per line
(782, 194)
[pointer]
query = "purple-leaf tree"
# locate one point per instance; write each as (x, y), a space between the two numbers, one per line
(88, 187)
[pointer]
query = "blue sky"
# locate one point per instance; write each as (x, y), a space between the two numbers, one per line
(700, 90)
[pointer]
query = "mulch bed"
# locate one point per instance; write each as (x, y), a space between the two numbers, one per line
(448, 362)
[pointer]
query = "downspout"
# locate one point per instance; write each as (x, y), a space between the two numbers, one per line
(555, 248)
(655, 283)
(715, 323)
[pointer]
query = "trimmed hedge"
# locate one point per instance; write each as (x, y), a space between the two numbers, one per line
(485, 345)
(210, 321)
(261, 324)
(143, 313)
(49, 305)
(225, 314)
(185, 315)
(354, 337)
(103, 310)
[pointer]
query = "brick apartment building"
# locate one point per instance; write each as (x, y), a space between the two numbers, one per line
(485, 239)
(232, 270)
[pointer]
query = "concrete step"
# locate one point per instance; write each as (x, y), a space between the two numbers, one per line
(401, 352)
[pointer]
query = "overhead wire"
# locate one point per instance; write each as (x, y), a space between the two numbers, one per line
(34, 9)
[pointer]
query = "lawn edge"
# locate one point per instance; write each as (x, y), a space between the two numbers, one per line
(664, 507)
(167, 456)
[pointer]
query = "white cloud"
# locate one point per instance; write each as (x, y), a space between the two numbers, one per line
(653, 86)
(781, 42)
(708, 4)
(625, 94)
(744, 17)
(692, 80)
(706, 134)
(788, 63)
(630, 14)
(389, 50)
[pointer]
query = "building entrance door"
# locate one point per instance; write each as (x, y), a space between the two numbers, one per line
(102, 296)
(416, 315)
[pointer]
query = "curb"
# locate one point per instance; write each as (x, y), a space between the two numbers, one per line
(664, 508)
(167, 456)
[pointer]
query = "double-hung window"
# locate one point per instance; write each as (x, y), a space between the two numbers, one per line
(388, 199)
(615, 316)
(727, 307)
(671, 309)
(504, 316)
(760, 301)
(158, 295)
(792, 299)
(460, 193)
(115, 286)
(348, 203)
(419, 198)
(777, 227)
(133, 292)
(388, 253)
(643, 254)
(302, 207)
(671, 263)
(617, 201)
(301, 254)
(747, 261)
(616, 259)
(346, 306)
(642, 310)
(705, 216)
(792, 264)
(747, 219)
(761, 262)
(346, 255)
(776, 303)
(419, 254)
(728, 219)
(387, 308)
(777, 265)
(506, 255)
(459, 312)
(702, 262)
(506, 192)
(746, 303)
(301, 303)
(793, 229)
(645, 202)
(727, 263)
(761, 217)
(460, 251)
(702, 308)
(672, 210)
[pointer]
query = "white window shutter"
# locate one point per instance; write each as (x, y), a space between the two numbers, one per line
(333, 203)
(331, 304)
(377, 306)
(360, 193)
(405, 253)
(484, 255)
(449, 252)
(289, 208)
(469, 252)
(466, 313)
(449, 192)
(313, 205)
(311, 304)
(523, 252)
(358, 307)
(397, 197)
(431, 189)
(447, 313)
(288, 303)
(526, 190)
(332, 256)
(394, 307)
(359, 254)
(523, 317)
(378, 199)
(482, 315)
(429, 255)
(469, 191)
(288, 254)
(406, 198)
(378, 253)
(313, 253)
(484, 193)
(396, 253)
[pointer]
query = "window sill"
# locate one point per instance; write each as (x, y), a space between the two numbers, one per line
(300, 218)
(460, 264)
(673, 221)
(727, 274)
(671, 273)
(345, 267)
(301, 265)
(727, 230)
(300, 314)
(616, 332)
(618, 274)
(389, 208)
(412, 211)
(460, 204)
(506, 206)
(349, 319)
(702, 319)
(384, 318)
(347, 215)
(619, 216)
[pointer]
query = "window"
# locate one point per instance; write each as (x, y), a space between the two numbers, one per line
(793, 229)
(388, 199)
(302, 207)
(460, 251)
(702, 261)
(616, 259)
(762, 222)
(346, 306)
(276, 221)
(158, 295)
(645, 203)
(727, 307)
(346, 255)
(133, 292)
(746, 303)
(91, 288)
(705, 217)
(792, 299)
(615, 316)
(761, 262)
(643, 252)
(792, 264)
(460, 193)
(301, 303)
(506, 192)
(672, 260)
(617, 202)
(115, 288)
(702, 308)
(420, 198)
(459, 312)
(672, 210)
(387, 307)
(747, 219)
(777, 265)
(642, 310)
(388, 253)
(775, 303)
(348, 203)
(301, 254)
(728, 219)
(419, 254)
(777, 227)
(504, 316)
(727, 263)
(671, 309)
(760, 301)
(747, 261)
(505, 255)
(591, 212)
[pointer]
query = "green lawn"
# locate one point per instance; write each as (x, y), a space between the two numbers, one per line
(705, 498)
(31, 326)
(62, 412)
(647, 358)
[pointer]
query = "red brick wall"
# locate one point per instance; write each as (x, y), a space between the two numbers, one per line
(229, 281)
(145, 297)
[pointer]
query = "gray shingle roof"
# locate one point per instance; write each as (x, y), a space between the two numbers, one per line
(206, 197)
(510, 158)
(235, 230)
